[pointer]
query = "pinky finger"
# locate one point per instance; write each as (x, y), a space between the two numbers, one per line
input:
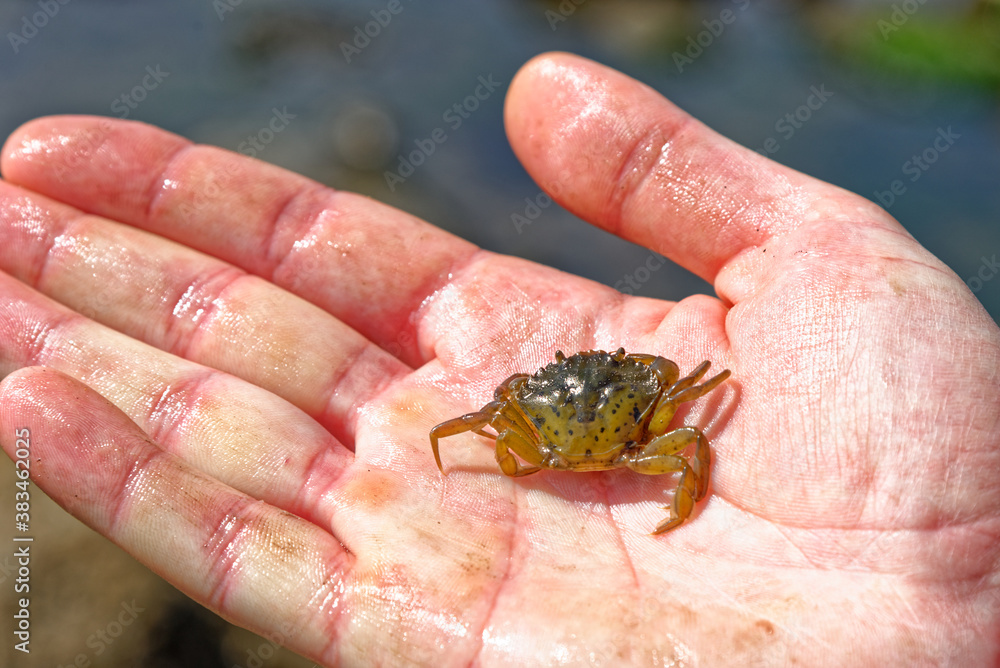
(254, 564)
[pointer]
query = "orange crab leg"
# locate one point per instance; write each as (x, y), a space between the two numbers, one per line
(468, 422)
(692, 393)
(660, 456)
(680, 392)
(513, 439)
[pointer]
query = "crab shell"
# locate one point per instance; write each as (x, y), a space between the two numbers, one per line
(587, 407)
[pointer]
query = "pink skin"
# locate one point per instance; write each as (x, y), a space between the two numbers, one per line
(273, 354)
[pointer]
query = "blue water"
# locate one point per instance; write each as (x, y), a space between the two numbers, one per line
(225, 69)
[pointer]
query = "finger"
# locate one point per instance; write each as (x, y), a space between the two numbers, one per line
(237, 432)
(369, 265)
(194, 306)
(618, 154)
(260, 567)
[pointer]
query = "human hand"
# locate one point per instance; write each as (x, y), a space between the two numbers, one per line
(279, 351)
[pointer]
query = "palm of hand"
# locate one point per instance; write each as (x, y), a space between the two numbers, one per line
(852, 459)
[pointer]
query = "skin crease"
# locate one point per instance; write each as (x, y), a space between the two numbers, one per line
(231, 372)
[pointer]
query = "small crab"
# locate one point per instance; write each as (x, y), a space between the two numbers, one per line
(595, 411)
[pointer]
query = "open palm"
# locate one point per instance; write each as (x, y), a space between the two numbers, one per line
(279, 351)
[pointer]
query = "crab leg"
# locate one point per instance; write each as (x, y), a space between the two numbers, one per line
(468, 422)
(692, 393)
(680, 392)
(511, 436)
(660, 456)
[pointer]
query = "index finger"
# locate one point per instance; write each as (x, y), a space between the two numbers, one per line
(619, 155)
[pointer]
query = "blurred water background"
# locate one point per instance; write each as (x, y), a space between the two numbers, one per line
(852, 92)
